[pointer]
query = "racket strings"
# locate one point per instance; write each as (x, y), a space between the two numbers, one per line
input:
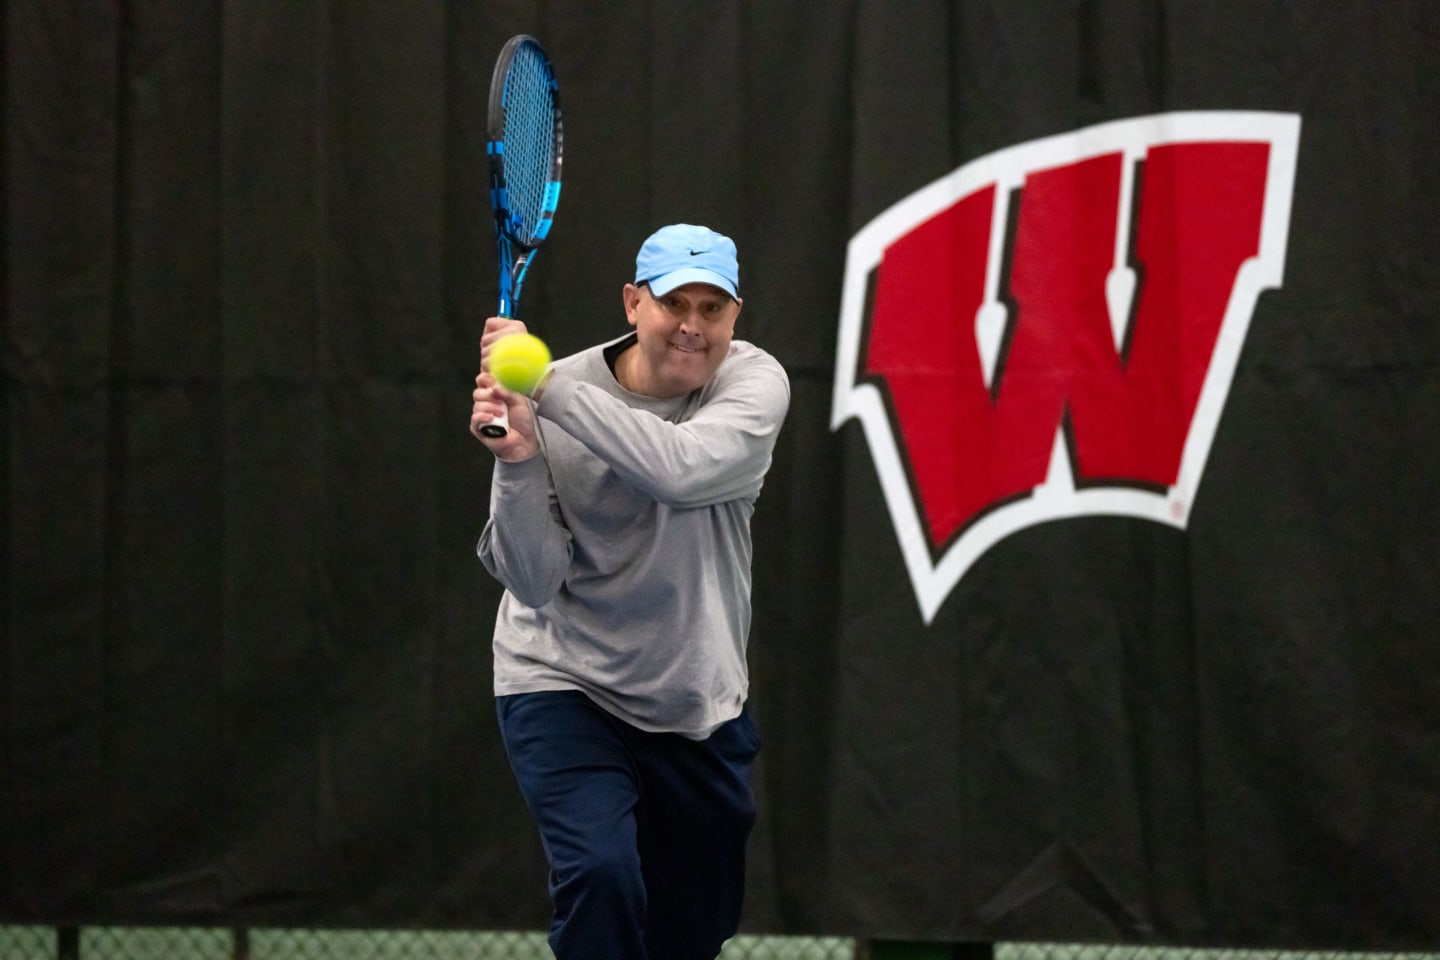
(529, 141)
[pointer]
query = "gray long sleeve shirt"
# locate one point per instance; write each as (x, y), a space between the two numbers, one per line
(625, 547)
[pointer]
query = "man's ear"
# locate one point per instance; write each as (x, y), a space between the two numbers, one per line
(631, 295)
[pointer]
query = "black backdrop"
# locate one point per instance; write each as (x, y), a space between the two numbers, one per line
(245, 639)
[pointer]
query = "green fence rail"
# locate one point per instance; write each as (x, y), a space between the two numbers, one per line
(200, 943)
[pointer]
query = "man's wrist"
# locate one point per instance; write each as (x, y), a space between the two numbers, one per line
(540, 387)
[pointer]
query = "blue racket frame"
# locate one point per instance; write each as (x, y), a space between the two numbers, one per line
(525, 149)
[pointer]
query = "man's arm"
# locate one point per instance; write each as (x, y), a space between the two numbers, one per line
(524, 544)
(720, 454)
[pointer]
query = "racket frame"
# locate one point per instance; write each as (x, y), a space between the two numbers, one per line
(516, 241)
(515, 247)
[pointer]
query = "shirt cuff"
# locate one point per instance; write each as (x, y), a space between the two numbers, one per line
(520, 473)
(553, 393)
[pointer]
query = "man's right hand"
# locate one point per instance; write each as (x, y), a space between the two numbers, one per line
(490, 400)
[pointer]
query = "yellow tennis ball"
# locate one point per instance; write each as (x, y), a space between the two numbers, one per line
(518, 361)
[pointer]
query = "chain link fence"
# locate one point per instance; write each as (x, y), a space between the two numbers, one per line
(193, 943)
(1072, 951)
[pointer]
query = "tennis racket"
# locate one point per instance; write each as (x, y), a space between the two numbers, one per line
(526, 141)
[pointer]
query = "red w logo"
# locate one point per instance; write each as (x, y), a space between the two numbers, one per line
(1051, 330)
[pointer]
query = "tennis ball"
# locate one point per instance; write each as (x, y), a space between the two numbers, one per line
(518, 361)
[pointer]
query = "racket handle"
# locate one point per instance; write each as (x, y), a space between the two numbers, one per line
(498, 427)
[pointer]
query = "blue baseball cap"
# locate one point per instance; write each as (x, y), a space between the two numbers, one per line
(684, 253)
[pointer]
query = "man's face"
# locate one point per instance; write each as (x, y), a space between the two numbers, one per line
(683, 336)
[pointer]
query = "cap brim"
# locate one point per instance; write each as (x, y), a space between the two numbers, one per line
(678, 278)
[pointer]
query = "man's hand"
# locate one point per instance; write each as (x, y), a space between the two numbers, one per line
(495, 328)
(490, 400)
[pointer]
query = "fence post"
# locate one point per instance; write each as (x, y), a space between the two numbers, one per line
(67, 943)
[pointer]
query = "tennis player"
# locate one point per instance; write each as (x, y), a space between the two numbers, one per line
(620, 527)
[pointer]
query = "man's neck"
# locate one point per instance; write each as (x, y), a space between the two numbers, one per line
(621, 357)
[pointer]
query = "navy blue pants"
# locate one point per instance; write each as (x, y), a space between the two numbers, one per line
(645, 832)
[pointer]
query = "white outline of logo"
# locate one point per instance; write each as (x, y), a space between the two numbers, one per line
(1057, 498)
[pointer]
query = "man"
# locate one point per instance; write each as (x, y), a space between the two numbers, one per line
(620, 527)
